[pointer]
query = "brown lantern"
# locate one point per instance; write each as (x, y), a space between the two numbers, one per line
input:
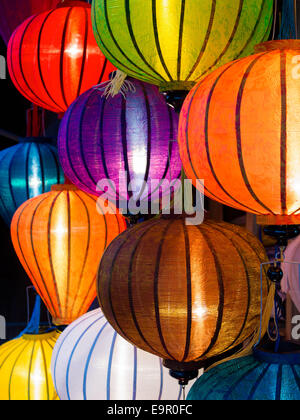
(184, 293)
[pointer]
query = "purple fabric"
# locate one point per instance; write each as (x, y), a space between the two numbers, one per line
(14, 12)
(100, 137)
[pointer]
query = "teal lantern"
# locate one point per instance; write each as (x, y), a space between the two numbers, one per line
(263, 376)
(27, 170)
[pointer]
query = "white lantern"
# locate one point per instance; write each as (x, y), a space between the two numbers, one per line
(92, 362)
(291, 271)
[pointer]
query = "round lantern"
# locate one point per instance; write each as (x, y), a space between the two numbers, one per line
(184, 293)
(263, 376)
(173, 43)
(291, 273)
(59, 238)
(25, 368)
(12, 14)
(101, 138)
(239, 132)
(92, 362)
(26, 170)
(53, 56)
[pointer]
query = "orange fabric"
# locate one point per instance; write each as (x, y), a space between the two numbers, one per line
(59, 238)
(239, 131)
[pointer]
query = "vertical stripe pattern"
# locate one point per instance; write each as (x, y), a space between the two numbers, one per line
(185, 38)
(25, 368)
(63, 63)
(60, 237)
(92, 362)
(181, 298)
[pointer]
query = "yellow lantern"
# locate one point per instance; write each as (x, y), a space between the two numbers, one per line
(173, 43)
(25, 372)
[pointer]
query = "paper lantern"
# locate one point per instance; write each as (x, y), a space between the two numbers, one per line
(291, 273)
(92, 362)
(25, 368)
(59, 238)
(53, 56)
(263, 376)
(239, 132)
(100, 137)
(26, 170)
(173, 43)
(12, 14)
(184, 293)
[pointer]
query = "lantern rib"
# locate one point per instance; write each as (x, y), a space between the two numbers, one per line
(62, 53)
(130, 294)
(10, 175)
(283, 134)
(60, 176)
(297, 380)
(12, 348)
(39, 60)
(134, 374)
(134, 41)
(28, 150)
(238, 132)
(240, 380)
(181, 25)
(124, 142)
(155, 284)
(189, 291)
(42, 169)
(84, 53)
(111, 353)
(45, 369)
(258, 381)
(118, 46)
(207, 36)
(13, 368)
(278, 383)
(69, 252)
(221, 293)
(29, 371)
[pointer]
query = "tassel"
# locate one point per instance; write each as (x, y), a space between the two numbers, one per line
(118, 84)
(288, 21)
(258, 334)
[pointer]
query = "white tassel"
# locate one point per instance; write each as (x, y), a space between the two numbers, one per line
(118, 84)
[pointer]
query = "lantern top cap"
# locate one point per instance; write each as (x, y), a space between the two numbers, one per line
(282, 44)
(277, 358)
(64, 187)
(73, 3)
(40, 336)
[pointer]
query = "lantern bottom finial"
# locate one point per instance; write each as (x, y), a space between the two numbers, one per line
(277, 219)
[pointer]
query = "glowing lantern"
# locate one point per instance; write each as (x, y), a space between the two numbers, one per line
(26, 170)
(53, 56)
(184, 293)
(239, 131)
(263, 376)
(25, 368)
(92, 362)
(101, 137)
(12, 15)
(173, 43)
(59, 238)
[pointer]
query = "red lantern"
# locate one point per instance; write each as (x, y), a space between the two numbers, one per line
(53, 56)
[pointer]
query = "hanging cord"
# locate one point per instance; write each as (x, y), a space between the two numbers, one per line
(8, 135)
(275, 19)
(183, 393)
(33, 325)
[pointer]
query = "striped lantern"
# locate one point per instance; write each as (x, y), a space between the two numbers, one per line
(101, 138)
(173, 43)
(26, 170)
(184, 293)
(53, 56)
(263, 377)
(92, 362)
(25, 364)
(60, 237)
(239, 132)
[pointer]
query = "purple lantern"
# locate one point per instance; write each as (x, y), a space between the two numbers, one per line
(130, 141)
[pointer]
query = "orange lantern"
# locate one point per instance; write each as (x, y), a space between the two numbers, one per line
(184, 293)
(239, 132)
(53, 56)
(59, 238)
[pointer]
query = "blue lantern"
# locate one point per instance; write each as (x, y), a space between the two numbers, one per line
(27, 170)
(263, 376)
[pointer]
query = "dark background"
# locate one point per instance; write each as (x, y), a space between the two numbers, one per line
(13, 280)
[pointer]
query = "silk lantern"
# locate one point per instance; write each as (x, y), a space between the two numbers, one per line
(184, 293)
(290, 283)
(53, 56)
(174, 43)
(12, 14)
(27, 169)
(102, 137)
(239, 131)
(25, 367)
(92, 362)
(263, 376)
(59, 238)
